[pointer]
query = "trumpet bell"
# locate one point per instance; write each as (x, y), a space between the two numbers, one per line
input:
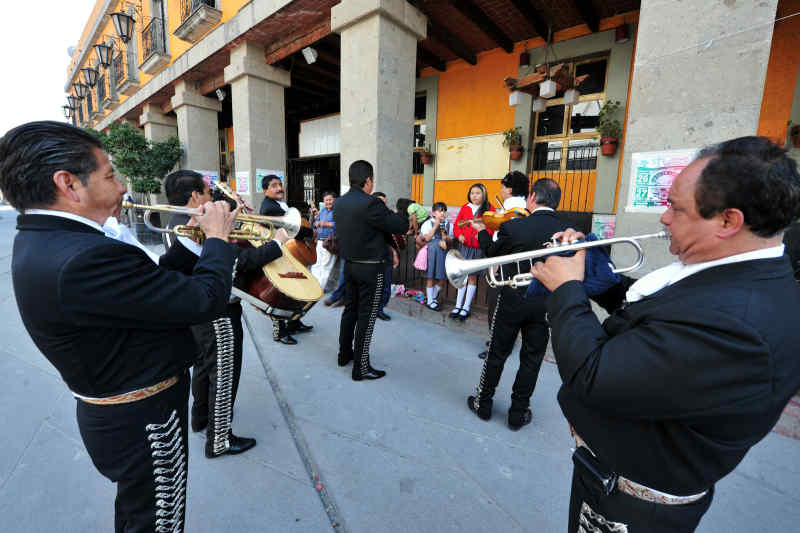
(453, 265)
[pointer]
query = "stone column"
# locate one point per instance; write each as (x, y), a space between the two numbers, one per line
(259, 120)
(697, 80)
(378, 62)
(157, 127)
(197, 127)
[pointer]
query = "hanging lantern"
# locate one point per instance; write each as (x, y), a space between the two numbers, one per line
(103, 51)
(571, 96)
(539, 104)
(124, 25)
(67, 111)
(513, 98)
(547, 89)
(80, 89)
(72, 101)
(90, 76)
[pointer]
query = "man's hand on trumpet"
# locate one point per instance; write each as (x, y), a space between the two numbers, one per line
(281, 236)
(557, 270)
(217, 219)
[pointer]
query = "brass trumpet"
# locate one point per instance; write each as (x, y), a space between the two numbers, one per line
(254, 225)
(458, 268)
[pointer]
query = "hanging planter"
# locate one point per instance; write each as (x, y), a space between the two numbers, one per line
(515, 151)
(608, 145)
(512, 138)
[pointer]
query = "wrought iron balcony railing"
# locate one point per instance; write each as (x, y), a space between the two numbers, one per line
(153, 39)
(190, 6)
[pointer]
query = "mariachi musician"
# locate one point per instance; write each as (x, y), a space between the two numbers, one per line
(513, 312)
(215, 378)
(273, 205)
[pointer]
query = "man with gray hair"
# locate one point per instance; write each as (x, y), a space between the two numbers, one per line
(697, 362)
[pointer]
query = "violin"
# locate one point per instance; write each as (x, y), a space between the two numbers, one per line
(493, 219)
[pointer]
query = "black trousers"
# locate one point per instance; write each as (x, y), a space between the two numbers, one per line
(143, 447)
(215, 378)
(514, 314)
(591, 510)
(362, 301)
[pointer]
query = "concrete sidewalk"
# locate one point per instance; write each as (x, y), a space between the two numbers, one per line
(402, 454)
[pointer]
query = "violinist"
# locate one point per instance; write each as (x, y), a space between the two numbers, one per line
(513, 313)
(477, 204)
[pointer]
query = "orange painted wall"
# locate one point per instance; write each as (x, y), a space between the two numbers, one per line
(472, 99)
(784, 61)
(454, 192)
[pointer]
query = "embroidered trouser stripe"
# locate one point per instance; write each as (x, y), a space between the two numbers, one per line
(222, 399)
(482, 383)
(373, 314)
(169, 473)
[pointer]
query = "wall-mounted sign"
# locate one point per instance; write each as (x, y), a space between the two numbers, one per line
(652, 174)
(243, 182)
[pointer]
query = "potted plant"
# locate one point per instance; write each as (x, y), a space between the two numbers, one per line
(609, 126)
(512, 138)
(427, 155)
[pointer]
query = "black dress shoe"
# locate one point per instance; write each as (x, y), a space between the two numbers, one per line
(483, 412)
(237, 445)
(483, 354)
(517, 420)
(371, 373)
(383, 316)
(286, 339)
(299, 327)
(344, 359)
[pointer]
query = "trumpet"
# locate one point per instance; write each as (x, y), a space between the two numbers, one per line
(253, 225)
(458, 268)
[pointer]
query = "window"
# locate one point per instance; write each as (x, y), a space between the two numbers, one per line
(566, 134)
(420, 104)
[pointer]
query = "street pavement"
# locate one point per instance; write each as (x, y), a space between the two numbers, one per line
(402, 454)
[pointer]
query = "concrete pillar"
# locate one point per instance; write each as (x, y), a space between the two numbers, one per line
(697, 80)
(157, 126)
(378, 62)
(197, 127)
(259, 121)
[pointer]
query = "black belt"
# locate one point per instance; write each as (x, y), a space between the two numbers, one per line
(367, 261)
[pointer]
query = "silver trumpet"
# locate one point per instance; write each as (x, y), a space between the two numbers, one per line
(458, 268)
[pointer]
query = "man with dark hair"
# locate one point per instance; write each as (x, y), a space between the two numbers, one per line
(216, 373)
(364, 226)
(513, 313)
(273, 205)
(112, 321)
(666, 397)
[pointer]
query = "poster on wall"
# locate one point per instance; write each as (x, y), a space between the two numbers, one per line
(652, 174)
(604, 225)
(209, 176)
(243, 182)
(260, 173)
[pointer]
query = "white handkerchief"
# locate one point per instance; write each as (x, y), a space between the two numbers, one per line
(113, 229)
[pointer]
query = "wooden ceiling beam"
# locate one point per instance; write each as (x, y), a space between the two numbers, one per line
(484, 23)
(589, 15)
(453, 43)
(430, 59)
(532, 15)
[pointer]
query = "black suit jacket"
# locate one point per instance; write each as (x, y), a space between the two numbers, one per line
(364, 226)
(102, 312)
(270, 207)
(521, 234)
(672, 391)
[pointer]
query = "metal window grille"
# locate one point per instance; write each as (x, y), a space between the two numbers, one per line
(89, 109)
(101, 89)
(118, 68)
(190, 6)
(153, 38)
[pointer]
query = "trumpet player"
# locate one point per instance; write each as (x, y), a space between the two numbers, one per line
(666, 397)
(112, 321)
(218, 367)
(513, 313)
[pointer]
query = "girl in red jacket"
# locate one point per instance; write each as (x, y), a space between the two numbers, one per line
(477, 204)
